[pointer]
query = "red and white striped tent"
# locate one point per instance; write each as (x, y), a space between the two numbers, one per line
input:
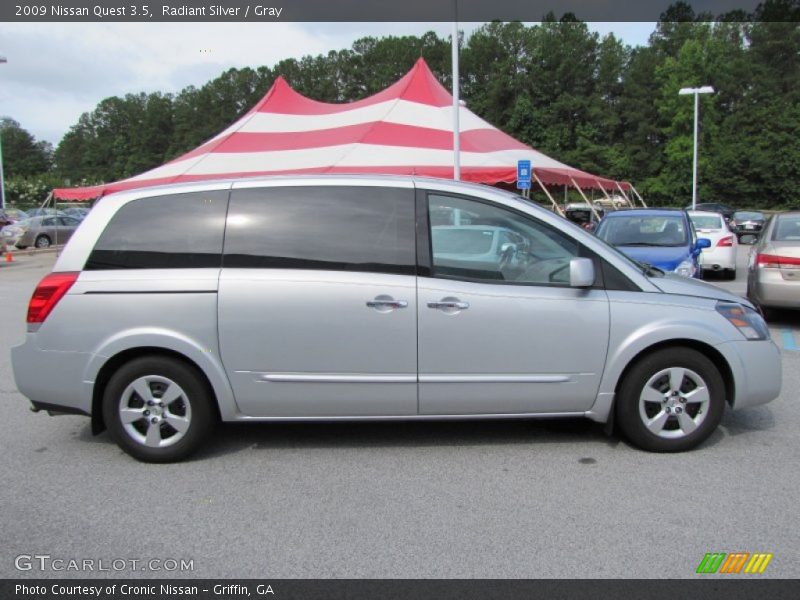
(405, 129)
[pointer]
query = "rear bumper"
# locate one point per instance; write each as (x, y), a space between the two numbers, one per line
(756, 369)
(741, 230)
(718, 258)
(772, 290)
(53, 381)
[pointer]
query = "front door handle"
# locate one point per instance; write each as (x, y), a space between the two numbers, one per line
(385, 303)
(449, 304)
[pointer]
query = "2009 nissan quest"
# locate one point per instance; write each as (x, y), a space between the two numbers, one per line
(329, 298)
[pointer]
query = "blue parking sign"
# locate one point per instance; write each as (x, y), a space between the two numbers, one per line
(523, 174)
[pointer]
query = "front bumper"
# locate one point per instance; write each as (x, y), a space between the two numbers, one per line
(11, 240)
(756, 369)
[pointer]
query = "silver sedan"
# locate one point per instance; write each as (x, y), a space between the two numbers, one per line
(773, 276)
(41, 232)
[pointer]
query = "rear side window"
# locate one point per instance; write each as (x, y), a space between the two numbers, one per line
(164, 232)
(787, 228)
(333, 228)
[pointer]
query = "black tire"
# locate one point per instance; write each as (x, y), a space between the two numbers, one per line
(194, 405)
(629, 412)
(42, 241)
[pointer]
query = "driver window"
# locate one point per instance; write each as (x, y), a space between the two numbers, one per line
(479, 242)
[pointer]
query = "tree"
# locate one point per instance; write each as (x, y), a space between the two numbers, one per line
(23, 156)
(120, 138)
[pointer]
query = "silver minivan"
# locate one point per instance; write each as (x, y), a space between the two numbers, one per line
(332, 298)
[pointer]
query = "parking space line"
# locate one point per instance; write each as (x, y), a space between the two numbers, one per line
(788, 340)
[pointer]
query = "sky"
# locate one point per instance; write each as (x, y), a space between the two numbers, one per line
(57, 71)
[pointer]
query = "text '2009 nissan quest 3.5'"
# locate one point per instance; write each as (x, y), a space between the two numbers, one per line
(333, 298)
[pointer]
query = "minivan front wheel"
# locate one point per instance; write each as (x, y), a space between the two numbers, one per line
(671, 400)
(158, 409)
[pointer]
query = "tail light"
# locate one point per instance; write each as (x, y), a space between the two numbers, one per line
(47, 294)
(725, 242)
(773, 261)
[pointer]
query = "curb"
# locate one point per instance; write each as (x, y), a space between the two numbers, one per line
(27, 252)
(35, 251)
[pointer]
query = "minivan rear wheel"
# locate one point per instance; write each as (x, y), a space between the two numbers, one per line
(671, 400)
(158, 409)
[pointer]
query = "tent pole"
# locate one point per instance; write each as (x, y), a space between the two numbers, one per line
(624, 195)
(456, 103)
(47, 201)
(544, 189)
(585, 199)
(605, 193)
(638, 196)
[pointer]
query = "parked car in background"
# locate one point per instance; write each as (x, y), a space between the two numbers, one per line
(11, 215)
(662, 238)
(76, 212)
(233, 302)
(40, 212)
(721, 256)
(773, 275)
(41, 232)
(723, 209)
(747, 222)
(582, 215)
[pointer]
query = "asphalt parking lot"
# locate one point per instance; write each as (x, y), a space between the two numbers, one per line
(451, 500)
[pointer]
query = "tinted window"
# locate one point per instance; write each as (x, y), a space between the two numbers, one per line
(476, 241)
(49, 222)
(164, 232)
(68, 221)
(744, 215)
(332, 228)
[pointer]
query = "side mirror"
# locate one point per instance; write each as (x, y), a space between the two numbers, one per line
(581, 272)
(700, 245)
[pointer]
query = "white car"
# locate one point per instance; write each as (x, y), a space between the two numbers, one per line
(721, 256)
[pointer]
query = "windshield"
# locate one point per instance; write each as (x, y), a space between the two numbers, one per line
(644, 230)
(706, 221)
(746, 215)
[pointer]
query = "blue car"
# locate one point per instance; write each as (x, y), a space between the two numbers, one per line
(661, 238)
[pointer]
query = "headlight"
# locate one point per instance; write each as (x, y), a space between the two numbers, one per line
(746, 320)
(686, 268)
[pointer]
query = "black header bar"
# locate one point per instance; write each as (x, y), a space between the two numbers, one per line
(464, 11)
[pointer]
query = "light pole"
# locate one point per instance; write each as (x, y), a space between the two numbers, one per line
(2, 179)
(706, 89)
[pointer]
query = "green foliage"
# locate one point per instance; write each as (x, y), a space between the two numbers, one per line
(586, 100)
(31, 191)
(22, 154)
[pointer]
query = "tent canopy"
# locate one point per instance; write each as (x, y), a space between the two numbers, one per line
(404, 129)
